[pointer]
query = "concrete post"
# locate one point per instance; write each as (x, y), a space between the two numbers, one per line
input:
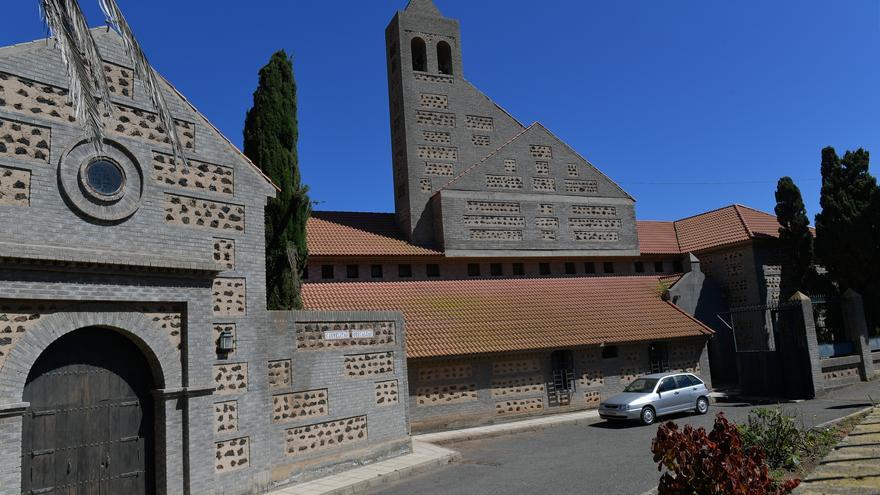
(808, 340)
(857, 331)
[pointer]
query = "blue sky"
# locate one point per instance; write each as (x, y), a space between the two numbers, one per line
(689, 105)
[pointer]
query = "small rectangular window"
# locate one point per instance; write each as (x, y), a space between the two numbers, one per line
(327, 272)
(352, 271)
(640, 267)
(544, 268)
(658, 266)
(677, 266)
(608, 267)
(569, 269)
(496, 270)
(404, 270)
(305, 273)
(376, 271)
(519, 269)
(589, 267)
(473, 269)
(433, 270)
(609, 352)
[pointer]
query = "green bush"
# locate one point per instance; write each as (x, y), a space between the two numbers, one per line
(784, 442)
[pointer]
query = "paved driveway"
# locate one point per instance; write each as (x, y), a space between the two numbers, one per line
(601, 458)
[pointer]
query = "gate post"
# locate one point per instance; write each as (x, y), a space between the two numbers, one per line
(809, 342)
(857, 331)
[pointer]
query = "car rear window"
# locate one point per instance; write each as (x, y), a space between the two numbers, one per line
(695, 380)
(683, 381)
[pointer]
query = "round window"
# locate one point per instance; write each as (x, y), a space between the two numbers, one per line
(104, 177)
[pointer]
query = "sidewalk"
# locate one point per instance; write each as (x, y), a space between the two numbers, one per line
(426, 455)
(853, 467)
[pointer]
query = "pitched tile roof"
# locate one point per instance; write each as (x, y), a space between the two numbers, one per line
(727, 225)
(343, 233)
(657, 237)
(459, 317)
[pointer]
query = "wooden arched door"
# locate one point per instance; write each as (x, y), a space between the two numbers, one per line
(89, 428)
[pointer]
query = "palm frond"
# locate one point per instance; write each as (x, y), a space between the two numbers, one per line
(146, 73)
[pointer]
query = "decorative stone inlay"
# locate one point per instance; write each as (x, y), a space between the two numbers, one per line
(477, 123)
(841, 374)
(15, 187)
(492, 207)
(296, 405)
(547, 222)
(422, 76)
(591, 236)
(279, 374)
(519, 406)
(438, 153)
(224, 253)
(136, 123)
(546, 209)
(494, 221)
(425, 184)
(590, 364)
(594, 211)
(540, 151)
(633, 367)
(386, 393)
(480, 140)
(232, 455)
(543, 184)
(321, 335)
(20, 140)
(168, 320)
(542, 168)
(120, 80)
(201, 213)
(231, 378)
(34, 99)
(437, 137)
(445, 372)
(572, 170)
(549, 235)
(685, 358)
(581, 186)
(362, 365)
(439, 395)
(592, 399)
(504, 182)
(439, 169)
(438, 119)
(520, 385)
(513, 366)
(225, 417)
(428, 100)
(510, 166)
(594, 223)
(220, 328)
(229, 296)
(324, 436)
(496, 235)
(199, 176)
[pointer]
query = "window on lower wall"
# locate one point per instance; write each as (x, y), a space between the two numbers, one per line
(589, 267)
(496, 270)
(677, 266)
(658, 266)
(608, 267)
(569, 269)
(432, 270)
(352, 271)
(404, 270)
(376, 271)
(640, 267)
(305, 273)
(519, 269)
(473, 269)
(609, 352)
(544, 268)
(327, 272)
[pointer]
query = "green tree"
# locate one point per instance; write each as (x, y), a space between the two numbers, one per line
(794, 236)
(270, 137)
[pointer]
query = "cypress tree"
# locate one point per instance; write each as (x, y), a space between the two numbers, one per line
(794, 236)
(270, 138)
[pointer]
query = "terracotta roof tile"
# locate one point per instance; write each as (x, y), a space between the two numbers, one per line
(338, 233)
(459, 317)
(657, 237)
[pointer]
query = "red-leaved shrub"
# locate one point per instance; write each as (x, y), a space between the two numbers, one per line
(711, 464)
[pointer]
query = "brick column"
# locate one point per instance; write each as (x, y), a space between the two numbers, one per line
(804, 313)
(857, 331)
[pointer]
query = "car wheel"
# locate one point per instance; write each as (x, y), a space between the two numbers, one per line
(648, 416)
(702, 405)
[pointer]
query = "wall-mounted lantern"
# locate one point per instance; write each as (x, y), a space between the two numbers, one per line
(226, 343)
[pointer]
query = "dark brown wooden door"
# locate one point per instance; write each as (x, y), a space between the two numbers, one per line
(89, 429)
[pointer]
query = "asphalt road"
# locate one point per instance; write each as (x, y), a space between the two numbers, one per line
(601, 458)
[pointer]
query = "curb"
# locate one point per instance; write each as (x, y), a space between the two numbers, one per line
(844, 418)
(453, 436)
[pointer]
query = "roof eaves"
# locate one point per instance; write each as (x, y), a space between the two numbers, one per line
(705, 329)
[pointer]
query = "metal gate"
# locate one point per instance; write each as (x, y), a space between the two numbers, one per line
(89, 429)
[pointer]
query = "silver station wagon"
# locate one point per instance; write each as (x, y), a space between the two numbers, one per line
(655, 395)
